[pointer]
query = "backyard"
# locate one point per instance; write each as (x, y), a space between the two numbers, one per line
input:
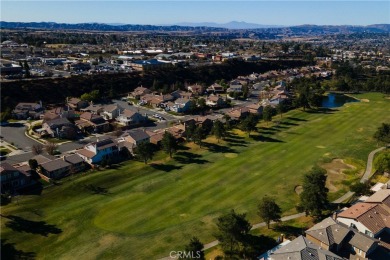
(137, 211)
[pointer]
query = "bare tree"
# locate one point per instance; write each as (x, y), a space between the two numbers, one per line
(51, 148)
(37, 149)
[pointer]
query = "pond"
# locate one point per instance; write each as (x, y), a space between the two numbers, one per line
(336, 100)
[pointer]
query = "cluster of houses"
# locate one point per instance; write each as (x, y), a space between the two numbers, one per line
(359, 232)
(77, 116)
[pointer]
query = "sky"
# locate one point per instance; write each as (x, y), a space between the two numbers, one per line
(331, 12)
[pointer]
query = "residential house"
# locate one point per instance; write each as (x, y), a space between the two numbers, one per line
(60, 128)
(182, 94)
(180, 105)
(94, 153)
(156, 100)
(238, 113)
(92, 123)
(12, 179)
(58, 112)
(202, 121)
(93, 109)
(55, 169)
(27, 110)
(302, 249)
(329, 234)
(111, 111)
(130, 118)
(138, 92)
(216, 88)
(156, 136)
(196, 89)
(369, 218)
(136, 136)
(77, 163)
(255, 109)
(215, 101)
(234, 86)
(77, 104)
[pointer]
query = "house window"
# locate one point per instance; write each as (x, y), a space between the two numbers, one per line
(15, 183)
(369, 233)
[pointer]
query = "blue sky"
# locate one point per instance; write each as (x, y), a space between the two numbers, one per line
(170, 12)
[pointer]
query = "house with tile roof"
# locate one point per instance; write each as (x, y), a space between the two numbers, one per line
(369, 218)
(92, 123)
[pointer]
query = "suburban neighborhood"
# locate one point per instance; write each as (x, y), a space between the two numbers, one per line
(195, 140)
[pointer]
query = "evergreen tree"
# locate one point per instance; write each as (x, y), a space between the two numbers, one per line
(199, 135)
(249, 124)
(144, 152)
(169, 143)
(269, 210)
(314, 197)
(232, 231)
(194, 250)
(218, 130)
(267, 114)
(382, 134)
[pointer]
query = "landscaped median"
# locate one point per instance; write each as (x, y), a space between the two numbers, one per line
(149, 210)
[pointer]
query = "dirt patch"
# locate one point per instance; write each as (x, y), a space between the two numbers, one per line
(360, 129)
(298, 189)
(321, 146)
(365, 100)
(231, 155)
(335, 170)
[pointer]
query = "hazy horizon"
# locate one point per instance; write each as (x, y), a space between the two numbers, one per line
(280, 13)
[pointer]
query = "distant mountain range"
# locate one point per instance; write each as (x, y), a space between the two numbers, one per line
(205, 27)
(231, 25)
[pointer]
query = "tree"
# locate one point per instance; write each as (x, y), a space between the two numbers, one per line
(232, 231)
(169, 143)
(280, 109)
(382, 162)
(192, 107)
(269, 210)
(51, 148)
(26, 69)
(144, 152)
(267, 114)
(382, 134)
(33, 164)
(190, 130)
(314, 197)
(37, 149)
(218, 130)
(5, 115)
(194, 250)
(199, 135)
(361, 188)
(202, 104)
(227, 118)
(249, 124)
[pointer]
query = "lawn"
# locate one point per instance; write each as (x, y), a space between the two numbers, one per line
(147, 211)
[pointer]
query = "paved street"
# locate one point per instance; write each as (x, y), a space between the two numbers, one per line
(14, 134)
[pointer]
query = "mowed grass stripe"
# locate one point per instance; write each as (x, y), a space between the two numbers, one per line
(149, 212)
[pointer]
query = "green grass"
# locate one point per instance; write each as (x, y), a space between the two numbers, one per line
(5, 151)
(151, 210)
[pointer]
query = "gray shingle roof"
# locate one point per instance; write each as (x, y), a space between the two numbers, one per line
(55, 165)
(303, 249)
